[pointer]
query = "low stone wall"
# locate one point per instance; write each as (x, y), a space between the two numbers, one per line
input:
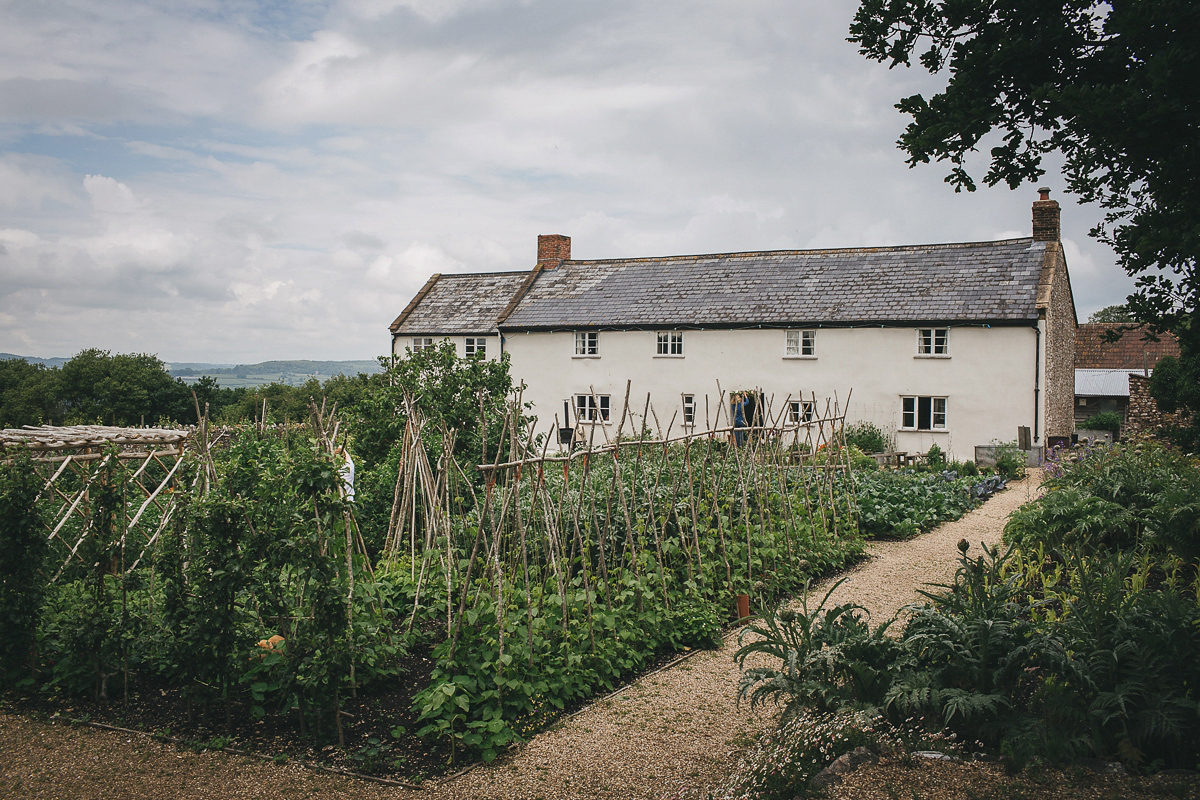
(1144, 415)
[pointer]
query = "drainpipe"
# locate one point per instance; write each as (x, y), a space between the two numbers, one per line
(1037, 377)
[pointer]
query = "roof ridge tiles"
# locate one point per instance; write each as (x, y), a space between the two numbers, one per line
(903, 248)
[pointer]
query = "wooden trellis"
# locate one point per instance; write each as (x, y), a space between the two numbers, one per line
(72, 459)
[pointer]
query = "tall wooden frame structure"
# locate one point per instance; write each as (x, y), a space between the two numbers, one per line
(71, 460)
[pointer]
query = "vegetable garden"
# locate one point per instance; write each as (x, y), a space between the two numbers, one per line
(227, 592)
(1080, 639)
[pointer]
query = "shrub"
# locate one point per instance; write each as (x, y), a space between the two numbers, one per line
(1010, 460)
(867, 437)
(22, 549)
(1105, 421)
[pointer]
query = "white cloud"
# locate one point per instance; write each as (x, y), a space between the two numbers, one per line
(109, 195)
(279, 188)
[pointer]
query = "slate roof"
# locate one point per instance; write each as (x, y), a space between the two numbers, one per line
(1130, 352)
(459, 304)
(981, 281)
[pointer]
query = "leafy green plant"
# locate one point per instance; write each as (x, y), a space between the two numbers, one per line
(1010, 460)
(868, 437)
(1105, 421)
(22, 582)
(829, 658)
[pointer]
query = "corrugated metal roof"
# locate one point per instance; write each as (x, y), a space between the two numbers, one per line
(462, 304)
(978, 281)
(1102, 382)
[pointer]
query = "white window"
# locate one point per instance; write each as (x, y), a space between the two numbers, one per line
(933, 341)
(670, 343)
(587, 343)
(801, 411)
(422, 343)
(592, 407)
(476, 346)
(689, 410)
(801, 343)
(923, 413)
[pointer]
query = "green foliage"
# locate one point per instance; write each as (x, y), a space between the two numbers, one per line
(22, 582)
(1043, 653)
(1175, 386)
(1119, 313)
(830, 658)
(1116, 497)
(263, 552)
(1010, 460)
(935, 458)
(901, 504)
(1066, 76)
(29, 394)
(450, 390)
(1071, 516)
(868, 437)
(1105, 421)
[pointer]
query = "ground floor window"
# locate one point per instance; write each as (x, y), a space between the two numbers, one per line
(923, 413)
(592, 407)
(689, 409)
(476, 346)
(801, 411)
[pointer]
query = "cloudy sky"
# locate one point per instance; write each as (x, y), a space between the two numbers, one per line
(228, 180)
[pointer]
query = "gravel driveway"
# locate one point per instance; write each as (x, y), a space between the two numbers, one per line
(667, 735)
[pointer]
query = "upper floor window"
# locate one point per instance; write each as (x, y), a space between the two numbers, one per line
(801, 411)
(476, 346)
(923, 413)
(670, 343)
(587, 343)
(592, 407)
(422, 343)
(933, 341)
(689, 409)
(801, 343)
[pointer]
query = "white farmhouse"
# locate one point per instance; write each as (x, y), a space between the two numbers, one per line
(954, 344)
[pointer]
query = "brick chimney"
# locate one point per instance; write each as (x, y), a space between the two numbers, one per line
(1045, 218)
(554, 248)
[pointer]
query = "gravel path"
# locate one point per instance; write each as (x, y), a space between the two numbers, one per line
(664, 736)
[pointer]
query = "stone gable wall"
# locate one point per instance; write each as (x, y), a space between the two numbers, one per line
(1060, 347)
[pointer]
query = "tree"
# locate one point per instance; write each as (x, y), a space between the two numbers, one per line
(1112, 314)
(1110, 85)
(28, 394)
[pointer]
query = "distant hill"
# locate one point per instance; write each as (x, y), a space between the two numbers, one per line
(231, 376)
(292, 373)
(49, 362)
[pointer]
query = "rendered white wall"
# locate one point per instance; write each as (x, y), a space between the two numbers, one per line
(988, 378)
(400, 345)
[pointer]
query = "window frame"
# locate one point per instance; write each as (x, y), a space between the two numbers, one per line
(801, 411)
(912, 413)
(928, 345)
(800, 343)
(593, 408)
(669, 344)
(587, 344)
(420, 343)
(689, 410)
(475, 346)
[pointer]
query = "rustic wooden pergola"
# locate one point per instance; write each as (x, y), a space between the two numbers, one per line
(87, 452)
